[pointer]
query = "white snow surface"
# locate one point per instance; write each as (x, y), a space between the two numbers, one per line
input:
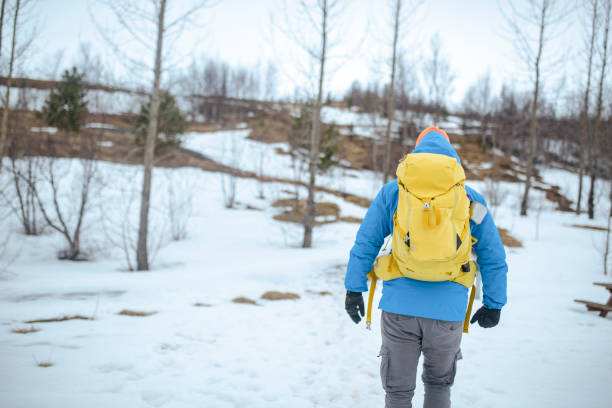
(546, 352)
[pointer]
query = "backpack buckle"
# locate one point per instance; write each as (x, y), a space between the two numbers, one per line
(407, 239)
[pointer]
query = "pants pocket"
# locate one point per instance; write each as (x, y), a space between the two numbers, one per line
(384, 366)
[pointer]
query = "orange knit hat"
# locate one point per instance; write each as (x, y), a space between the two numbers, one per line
(429, 129)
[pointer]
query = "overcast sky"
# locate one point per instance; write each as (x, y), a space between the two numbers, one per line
(472, 32)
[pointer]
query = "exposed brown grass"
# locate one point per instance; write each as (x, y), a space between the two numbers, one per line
(320, 292)
(244, 300)
(128, 312)
(589, 227)
(553, 194)
(26, 330)
(59, 319)
(350, 219)
(295, 211)
(199, 304)
(273, 295)
(271, 128)
(360, 201)
(508, 240)
(45, 364)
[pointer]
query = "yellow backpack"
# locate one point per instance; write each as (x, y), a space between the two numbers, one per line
(431, 226)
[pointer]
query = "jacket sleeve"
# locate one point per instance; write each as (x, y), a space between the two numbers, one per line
(491, 260)
(370, 237)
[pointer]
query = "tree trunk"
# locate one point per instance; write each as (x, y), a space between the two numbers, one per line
(314, 139)
(607, 244)
(1, 22)
(600, 89)
(585, 110)
(534, 115)
(5, 112)
(142, 257)
(390, 97)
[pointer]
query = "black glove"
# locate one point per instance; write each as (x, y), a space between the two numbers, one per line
(354, 305)
(486, 317)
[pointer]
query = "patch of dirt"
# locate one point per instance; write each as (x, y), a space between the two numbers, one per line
(244, 300)
(273, 295)
(199, 304)
(320, 293)
(59, 319)
(26, 330)
(295, 211)
(128, 312)
(508, 240)
(589, 227)
(45, 364)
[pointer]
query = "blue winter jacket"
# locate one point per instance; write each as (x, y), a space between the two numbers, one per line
(435, 300)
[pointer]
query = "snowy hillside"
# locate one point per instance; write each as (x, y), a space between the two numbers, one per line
(547, 351)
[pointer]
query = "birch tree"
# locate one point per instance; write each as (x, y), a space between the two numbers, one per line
(592, 7)
(532, 26)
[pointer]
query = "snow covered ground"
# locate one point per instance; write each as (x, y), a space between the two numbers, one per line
(547, 351)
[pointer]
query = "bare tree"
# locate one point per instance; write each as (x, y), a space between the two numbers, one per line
(179, 206)
(592, 6)
(7, 92)
(399, 19)
(309, 218)
(127, 13)
(438, 75)
(477, 102)
(397, 9)
(232, 148)
(606, 252)
(607, 11)
(142, 256)
(532, 25)
(270, 82)
(310, 27)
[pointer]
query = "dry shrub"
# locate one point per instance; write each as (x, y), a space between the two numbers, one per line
(45, 364)
(60, 319)
(508, 240)
(244, 300)
(273, 295)
(128, 312)
(198, 304)
(26, 330)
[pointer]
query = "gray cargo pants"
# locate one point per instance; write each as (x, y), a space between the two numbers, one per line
(404, 338)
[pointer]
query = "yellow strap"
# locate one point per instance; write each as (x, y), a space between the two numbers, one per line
(370, 301)
(468, 314)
